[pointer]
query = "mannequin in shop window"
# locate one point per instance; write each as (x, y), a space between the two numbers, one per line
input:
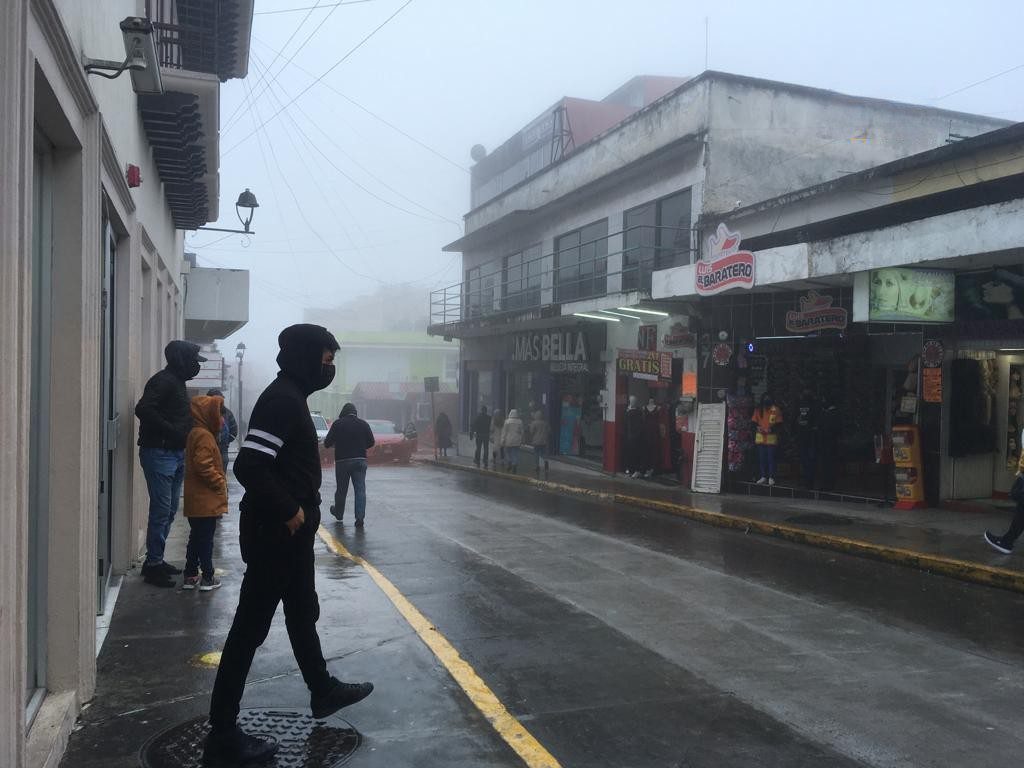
(652, 437)
(807, 435)
(767, 420)
(635, 452)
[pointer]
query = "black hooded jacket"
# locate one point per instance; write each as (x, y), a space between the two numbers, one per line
(164, 411)
(278, 462)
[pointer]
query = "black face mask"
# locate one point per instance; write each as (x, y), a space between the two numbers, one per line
(193, 369)
(326, 376)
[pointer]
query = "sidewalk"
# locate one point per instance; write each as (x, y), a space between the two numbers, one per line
(944, 541)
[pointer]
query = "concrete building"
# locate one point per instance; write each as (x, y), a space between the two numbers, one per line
(916, 320)
(555, 309)
(97, 185)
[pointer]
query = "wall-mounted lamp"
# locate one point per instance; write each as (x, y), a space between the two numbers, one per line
(246, 201)
(140, 58)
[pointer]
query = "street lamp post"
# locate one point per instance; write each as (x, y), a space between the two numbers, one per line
(246, 202)
(240, 353)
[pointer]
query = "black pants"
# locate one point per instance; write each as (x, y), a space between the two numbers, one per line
(281, 571)
(1016, 527)
(483, 445)
(199, 552)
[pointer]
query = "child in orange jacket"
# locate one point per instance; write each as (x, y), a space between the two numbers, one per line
(206, 491)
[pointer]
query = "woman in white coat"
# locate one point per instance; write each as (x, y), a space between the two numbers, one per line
(512, 439)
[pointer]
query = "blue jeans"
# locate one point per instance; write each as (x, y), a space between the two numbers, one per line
(766, 454)
(344, 470)
(512, 453)
(165, 472)
(199, 553)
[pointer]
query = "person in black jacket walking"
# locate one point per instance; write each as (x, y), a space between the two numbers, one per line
(481, 431)
(278, 465)
(165, 419)
(228, 432)
(351, 437)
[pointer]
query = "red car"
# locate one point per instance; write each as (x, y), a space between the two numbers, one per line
(391, 443)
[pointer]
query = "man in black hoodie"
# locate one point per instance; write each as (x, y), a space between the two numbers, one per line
(350, 437)
(165, 419)
(278, 464)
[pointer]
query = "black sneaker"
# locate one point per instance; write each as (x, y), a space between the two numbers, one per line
(157, 576)
(359, 523)
(236, 748)
(169, 569)
(335, 514)
(997, 543)
(337, 696)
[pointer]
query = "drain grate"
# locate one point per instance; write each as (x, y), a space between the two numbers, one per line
(303, 742)
(819, 518)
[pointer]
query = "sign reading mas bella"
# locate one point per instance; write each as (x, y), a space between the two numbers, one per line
(550, 347)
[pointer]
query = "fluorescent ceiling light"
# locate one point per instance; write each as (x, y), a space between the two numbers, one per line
(619, 314)
(1013, 349)
(597, 317)
(643, 311)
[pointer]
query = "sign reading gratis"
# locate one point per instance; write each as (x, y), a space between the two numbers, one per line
(725, 266)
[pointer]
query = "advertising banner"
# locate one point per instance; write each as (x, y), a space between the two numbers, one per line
(816, 314)
(725, 266)
(652, 366)
(909, 295)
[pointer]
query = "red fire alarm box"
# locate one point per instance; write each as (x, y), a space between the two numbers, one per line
(133, 176)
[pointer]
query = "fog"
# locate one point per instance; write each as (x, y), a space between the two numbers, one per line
(362, 175)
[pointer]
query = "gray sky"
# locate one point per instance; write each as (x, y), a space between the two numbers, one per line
(453, 73)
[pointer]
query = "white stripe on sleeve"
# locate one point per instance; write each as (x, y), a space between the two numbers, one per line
(258, 447)
(267, 436)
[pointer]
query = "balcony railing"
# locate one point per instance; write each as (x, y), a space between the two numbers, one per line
(496, 293)
(189, 35)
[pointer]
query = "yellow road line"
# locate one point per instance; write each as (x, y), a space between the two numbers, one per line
(511, 730)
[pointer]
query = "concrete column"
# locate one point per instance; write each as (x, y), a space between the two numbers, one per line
(15, 290)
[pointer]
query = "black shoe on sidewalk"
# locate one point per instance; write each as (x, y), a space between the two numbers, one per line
(169, 569)
(997, 543)
(337, 696)
(236, 748)
(157, 576)
(359, 523)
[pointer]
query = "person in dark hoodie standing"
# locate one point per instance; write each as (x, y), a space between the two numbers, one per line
(229, 431)
(481, 432)
(165, 419)
(350, 437)
(278, 465)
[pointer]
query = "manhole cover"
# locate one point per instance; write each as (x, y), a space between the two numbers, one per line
(303, 742)
(819, 518)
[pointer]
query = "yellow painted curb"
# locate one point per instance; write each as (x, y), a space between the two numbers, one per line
(963, 570)
(532, 753)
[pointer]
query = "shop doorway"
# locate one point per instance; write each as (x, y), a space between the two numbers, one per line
(108, 418)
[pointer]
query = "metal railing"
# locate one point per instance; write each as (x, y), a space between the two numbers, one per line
(186, 34)
(560, 277)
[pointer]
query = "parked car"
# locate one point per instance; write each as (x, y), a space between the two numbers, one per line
(321, 425)
(391, 443)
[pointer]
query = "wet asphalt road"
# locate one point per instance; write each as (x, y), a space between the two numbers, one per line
(618, 637)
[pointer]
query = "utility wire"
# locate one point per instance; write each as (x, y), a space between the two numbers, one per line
(330, 69)
(277, 55)
(310, 8)
(372, 114)
(980, 82)
(295, 53)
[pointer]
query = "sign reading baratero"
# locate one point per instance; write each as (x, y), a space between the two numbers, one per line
(725, 266)
(550, 347)
(816, 314)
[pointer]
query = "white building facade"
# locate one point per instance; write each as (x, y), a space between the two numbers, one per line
(97, 186)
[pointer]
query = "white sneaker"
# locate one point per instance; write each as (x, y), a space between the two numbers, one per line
(771, 481)
(762, 481)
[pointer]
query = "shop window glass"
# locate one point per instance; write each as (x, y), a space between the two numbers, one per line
(522, 279)
(638, 246)
(581, 262)
(673, 231)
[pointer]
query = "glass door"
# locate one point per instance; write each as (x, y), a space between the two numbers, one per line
(108, 419)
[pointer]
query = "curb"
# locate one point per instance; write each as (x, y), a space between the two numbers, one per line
(962, 570)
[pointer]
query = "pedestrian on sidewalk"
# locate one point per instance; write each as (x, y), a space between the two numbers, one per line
(635, 452)
(540, 437)
(767, 419)
(1004, 543)
(351, 438)
(443, 433)
(165, 420)
(278, 465)
(512, 434)
(206, 491)
(228, 432)
(497, 425)
(480, 431)
(807, 435)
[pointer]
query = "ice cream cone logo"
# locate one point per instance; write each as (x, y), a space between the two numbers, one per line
(816, 314)
(724, 265)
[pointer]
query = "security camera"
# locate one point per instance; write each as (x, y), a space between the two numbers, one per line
(140, 58)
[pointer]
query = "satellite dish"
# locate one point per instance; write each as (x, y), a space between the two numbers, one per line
(478, 152)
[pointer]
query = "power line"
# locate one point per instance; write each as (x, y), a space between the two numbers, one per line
(980, 82)
(276, 57)
(310, 8)
(330, 69)
(295, 53)
(372, 114)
